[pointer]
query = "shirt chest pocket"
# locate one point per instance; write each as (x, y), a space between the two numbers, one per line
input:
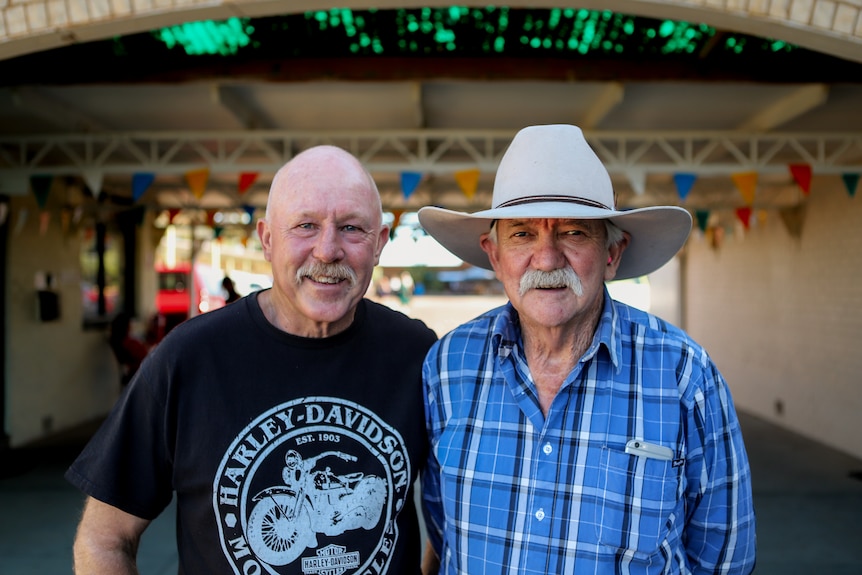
(637, 501)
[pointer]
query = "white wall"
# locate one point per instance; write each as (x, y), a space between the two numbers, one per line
(782, 317)
(58, 375)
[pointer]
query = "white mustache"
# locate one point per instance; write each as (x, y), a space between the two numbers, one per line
(326, 273)
(561, 277)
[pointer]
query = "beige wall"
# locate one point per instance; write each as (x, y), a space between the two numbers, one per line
(58, 375)
(782, 316)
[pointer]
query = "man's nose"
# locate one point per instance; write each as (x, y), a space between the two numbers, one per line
(547, 255)
(328, 248)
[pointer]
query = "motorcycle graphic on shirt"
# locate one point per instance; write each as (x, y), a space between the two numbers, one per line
(286, 519)
(314, 486)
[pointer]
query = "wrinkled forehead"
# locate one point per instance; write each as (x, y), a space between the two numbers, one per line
(551, 223)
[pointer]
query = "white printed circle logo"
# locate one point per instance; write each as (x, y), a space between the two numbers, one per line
(318, 481)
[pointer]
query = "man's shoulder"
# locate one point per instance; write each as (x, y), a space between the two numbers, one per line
(642, 324)
(396, 322)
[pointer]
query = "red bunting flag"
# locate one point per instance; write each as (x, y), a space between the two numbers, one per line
(744, 216)
(802, 174)
(44, 220)
(172, 213)
(746, 183)
(246, 179)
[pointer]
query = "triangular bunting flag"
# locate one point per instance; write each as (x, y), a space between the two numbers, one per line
(172, 213)
(468, 181)
(702, 217)
(746, 183)
(637, 180)
(197, 181)
(210, 214)
(93, 180)
(409, 181)
(802, 174)
(851, 181)
(684, 182)
(744, 216)
(141, 183)
(217, 231)
(21, 221)
(794, 218)
(246, 179)
(41, 186)
(249, 209)
(44, 220)
(396, 218)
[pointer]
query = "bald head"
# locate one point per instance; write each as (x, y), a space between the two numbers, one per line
(315, 166)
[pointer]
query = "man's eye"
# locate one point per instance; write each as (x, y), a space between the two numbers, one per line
(575, 233)
(351, 228)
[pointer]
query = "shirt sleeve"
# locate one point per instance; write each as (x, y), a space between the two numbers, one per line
(127, 464)
(720, 523)
(432, 505)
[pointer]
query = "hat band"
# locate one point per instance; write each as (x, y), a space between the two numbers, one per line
(536, 199)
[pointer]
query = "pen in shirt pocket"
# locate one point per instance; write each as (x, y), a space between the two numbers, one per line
(651, 450)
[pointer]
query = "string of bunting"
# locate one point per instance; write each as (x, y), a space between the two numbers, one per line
(468, 181)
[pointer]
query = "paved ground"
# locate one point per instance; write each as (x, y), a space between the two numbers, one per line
(808, 497)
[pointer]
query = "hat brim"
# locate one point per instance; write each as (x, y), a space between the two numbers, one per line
(657, 232)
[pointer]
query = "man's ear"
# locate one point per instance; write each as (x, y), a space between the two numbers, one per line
(382, 240)
(265, 236)
(491, 248)
(615, 254)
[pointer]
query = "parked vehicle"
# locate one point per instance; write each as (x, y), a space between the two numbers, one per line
(174, 300)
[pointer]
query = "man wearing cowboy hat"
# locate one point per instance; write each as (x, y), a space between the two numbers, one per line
(571, 433)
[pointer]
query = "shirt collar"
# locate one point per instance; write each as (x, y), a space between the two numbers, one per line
(506, 332)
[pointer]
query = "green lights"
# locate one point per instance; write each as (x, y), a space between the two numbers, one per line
(456, 30)
(209, 37)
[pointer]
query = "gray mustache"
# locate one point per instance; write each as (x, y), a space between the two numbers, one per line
(562, 277)
(320, 272)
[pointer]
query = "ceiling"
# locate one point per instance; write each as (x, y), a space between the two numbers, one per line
(100, 119)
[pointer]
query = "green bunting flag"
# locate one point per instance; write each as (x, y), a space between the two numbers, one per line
(851, 181)
(41, 186)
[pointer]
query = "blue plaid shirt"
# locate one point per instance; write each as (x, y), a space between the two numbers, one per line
(639, 466)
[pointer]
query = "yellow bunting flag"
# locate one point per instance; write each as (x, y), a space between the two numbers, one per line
(468, 181)
(197, 181)
(746, 183)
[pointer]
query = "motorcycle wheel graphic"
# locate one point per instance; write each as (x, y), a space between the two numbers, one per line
(273, 536)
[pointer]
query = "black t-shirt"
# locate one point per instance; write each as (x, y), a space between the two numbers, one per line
(287, 454)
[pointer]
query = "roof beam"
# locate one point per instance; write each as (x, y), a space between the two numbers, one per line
(609, 98)
(56, 112)
(231, 100)
(782, 110)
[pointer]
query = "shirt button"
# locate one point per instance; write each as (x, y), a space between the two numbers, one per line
(540, 514)
(547, 449)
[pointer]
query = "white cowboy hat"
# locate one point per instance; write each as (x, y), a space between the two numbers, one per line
(551, 172)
